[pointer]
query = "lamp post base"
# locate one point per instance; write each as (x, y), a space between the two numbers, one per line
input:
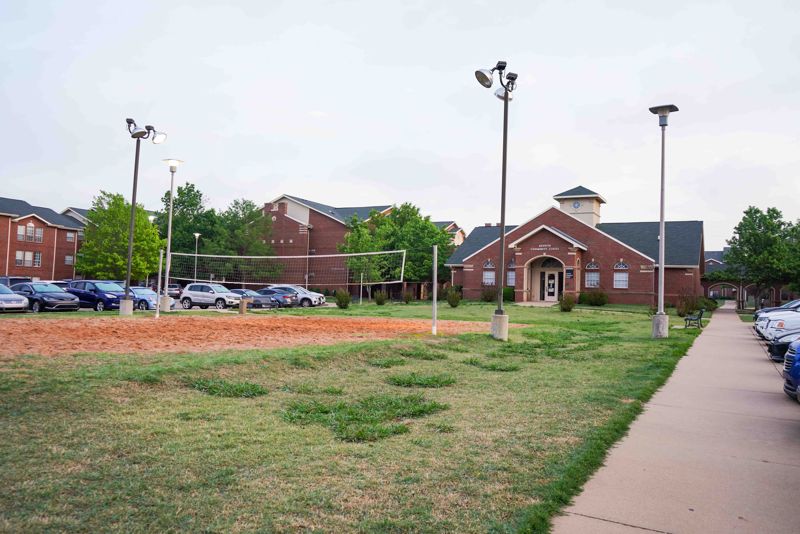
(164, 304)
(500, 327)
(126, 308)
(660, 326)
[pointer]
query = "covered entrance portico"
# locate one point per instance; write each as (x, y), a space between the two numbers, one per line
(544, 279)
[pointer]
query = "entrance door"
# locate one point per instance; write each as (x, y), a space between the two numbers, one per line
(551, 292)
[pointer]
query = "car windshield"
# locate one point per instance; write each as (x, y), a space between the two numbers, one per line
(250, 293)
(143, 291)
(108, 286)
(791, 304)
(220, 288)
(5, 291)
(47, 288)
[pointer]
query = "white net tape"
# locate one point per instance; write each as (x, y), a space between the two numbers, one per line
(315, 271)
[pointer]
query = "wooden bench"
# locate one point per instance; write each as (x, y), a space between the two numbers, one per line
(694, 320)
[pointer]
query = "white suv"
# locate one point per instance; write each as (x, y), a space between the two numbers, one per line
(305, 298)
(205, 295)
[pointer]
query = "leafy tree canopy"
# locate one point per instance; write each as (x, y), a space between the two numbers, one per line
(104, 251)
(763, 247)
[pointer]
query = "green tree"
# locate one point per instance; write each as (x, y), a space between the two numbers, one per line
(104, 251)
(404, 228)
(189, 216)
(763, 249)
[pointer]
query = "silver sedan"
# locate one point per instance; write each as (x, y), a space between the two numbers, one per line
(10, 301)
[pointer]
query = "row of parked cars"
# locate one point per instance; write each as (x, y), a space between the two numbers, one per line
(20, 294)
(779, 328)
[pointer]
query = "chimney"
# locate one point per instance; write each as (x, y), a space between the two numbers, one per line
(487, 225)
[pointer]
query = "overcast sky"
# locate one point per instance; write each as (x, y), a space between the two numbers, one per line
(375, 102)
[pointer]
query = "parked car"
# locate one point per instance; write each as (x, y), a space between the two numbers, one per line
(791, 305)
(205, 295)
(791, 370)
(779, 345)
(259, 301)
(305, 298)
(10, 281)
(781, 324)
(63, 284)
(766, 319)
(174, 290)
(44, 297)
(98, 294)
(287, 299)
(10, 301)
(144, 298)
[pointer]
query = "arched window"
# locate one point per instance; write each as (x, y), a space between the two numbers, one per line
(620, 275)
(592, 274)
(621, 265)
(511, 273)
(488, 273)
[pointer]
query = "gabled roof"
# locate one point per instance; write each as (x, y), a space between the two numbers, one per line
(343, 215)
(555, 231)
(684, 239)
(83, 212)
(477, 239)
(579, 192)
(715, 255)
(20, 208)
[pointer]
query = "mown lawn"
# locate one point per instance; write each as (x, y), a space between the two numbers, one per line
(459, 434)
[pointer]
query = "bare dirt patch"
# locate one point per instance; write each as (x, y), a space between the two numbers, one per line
(201, 333)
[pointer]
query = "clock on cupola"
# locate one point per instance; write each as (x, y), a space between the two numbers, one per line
(582, 203)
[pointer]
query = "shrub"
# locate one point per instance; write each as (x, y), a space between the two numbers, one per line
(566, 303)
(381, 297)
(408, 296)
(488, 293)
(342, 299)
(453, 298)
(593, 298)
(223, 388)
(687, 303)
(708, 304)
(413, 380)
(508, 294)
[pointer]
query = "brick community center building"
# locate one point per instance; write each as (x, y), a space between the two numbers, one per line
(37, 242)
(566, 250)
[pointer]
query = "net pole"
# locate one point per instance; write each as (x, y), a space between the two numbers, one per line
(361, 291)
(158, 288)
(435, 287)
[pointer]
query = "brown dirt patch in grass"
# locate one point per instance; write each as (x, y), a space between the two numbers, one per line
(200, 334)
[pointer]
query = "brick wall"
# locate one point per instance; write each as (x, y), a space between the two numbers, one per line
(53, 248)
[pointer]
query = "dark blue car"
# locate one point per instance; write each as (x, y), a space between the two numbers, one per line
(98, 294)
(46, 297)
(791, 370)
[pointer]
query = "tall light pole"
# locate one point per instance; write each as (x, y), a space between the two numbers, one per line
(148, 132)
(485, 77)
(661, 319)
(196, 241)
(173, 166)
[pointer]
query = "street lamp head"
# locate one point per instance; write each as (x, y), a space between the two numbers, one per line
(501, 94)
(663, 112)
(138, 133)
(159, 137)
(484, 77)
(173, 164)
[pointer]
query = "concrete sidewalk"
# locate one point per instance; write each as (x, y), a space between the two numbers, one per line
(717, 449)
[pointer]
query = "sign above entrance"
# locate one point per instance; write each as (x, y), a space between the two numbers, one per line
(544, 247)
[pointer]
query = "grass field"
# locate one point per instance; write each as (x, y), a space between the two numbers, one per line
(449, 434)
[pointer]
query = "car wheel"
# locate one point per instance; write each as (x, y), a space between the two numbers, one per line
(220, 304)
(186, 303)
(305, 303)
(99, 306)
(142, 305)
(36, 307)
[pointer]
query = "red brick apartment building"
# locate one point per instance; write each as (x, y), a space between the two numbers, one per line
(302, 227)
(566, 250)
(38, 242)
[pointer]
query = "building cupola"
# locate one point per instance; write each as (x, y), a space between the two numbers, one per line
(581, 203)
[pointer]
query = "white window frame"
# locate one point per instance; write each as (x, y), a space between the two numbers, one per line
(20, 232)
(30, 231)
(69, 259)
(489, 277)
(39, 234)
(621, 280)
(511, 278)
(70, 237)
(19, 258)
(37, 259)
(592, 279)
(28, 259)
